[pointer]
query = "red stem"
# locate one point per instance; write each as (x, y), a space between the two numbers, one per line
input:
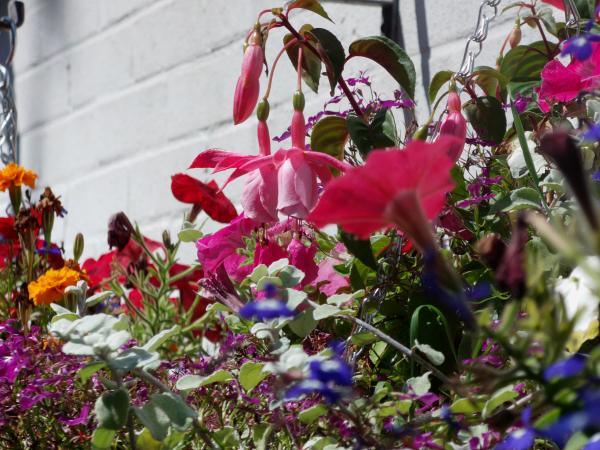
(308, 45)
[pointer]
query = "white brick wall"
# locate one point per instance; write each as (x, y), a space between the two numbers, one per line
(114, 96)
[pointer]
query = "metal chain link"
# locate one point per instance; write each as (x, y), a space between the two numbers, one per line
(572, 16)
(8, 112)
(474, 44)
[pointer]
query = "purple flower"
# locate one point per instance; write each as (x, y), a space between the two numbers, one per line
(565, 368)
(522, 439)
(580, 46)
(334, 370)
(266, 309)
(79, 420)
(311, 386)
(596, 176)
(593, 133)
(593, 444)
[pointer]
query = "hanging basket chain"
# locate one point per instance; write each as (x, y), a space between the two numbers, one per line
(8, 112)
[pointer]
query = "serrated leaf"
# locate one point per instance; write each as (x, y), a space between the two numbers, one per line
(331, 52)
(111, 409)
(311, 414)
(390, 56)
(310, 5)
(438, 80)
(330, 135)
(251, 374)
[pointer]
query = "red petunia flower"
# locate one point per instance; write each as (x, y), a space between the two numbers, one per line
(402, 188)
(560, 4)
(209, 197)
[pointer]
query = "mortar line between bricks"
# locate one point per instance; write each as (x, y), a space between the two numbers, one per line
(102, 100)
(109, 28)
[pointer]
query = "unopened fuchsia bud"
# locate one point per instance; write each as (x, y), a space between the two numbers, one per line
(298, 122)
(248, 84)
(455, 124)
(264, 138)
(514, 38)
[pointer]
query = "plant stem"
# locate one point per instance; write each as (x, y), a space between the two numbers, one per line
(311, 47)
(275, 61)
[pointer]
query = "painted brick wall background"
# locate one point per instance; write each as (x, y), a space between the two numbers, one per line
(114, 96)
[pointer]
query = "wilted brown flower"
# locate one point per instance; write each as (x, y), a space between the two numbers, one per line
(119, 230)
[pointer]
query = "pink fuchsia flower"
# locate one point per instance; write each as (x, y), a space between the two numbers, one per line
(206, 197)
(564, 83)
(328, 280)
(221, 248)
(454, 125)
(248, 84)
(401, 188)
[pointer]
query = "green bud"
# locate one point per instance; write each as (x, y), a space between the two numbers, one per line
(14, 192)
(166, 238)
(298, 101)
(421, 133)
(262, 110)
(78, 246)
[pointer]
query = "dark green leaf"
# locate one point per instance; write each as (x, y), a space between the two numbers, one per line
(179, 413)
(377, 134)
(490, 79)
(331, 52)
(525, 62)
(438, 80)
(112, 408)
(311, 64)
(330, 135)
(360, 249)
(487, 117)
(311, 5)
(390, 56)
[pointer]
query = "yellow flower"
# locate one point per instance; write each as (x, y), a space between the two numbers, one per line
(14, 175)
(50, 287)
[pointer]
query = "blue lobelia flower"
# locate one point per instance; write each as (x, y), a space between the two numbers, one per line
(565, 368)
(522, 439)
(310, 386)
(333, 370)
(596, 176)
(592, 134)
(593, 443)
(580, 46)
(267, 309)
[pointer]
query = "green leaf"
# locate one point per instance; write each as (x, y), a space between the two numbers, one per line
(490, 79)
(135, 357)
(438, 80)
(363, 338)
(522, 198)
(311, 64)
(90, 369)
(435, 357)
(465, 406)
(303, 324)
(260, 435)
(251, 374)
(102, 438)
(487, 117)
(324, 311)
(376, 134)
(525, 62)
(154, 419)
(112, 408)
(145, 441)
(179, 413)
(311, 414)
(227, 438)
(331, 52)
(330, 135)
(390, 56)
(501, 396)
(195, 381)
(420, 385)
(360, 249)
(189, 235)
(159, 339)
(97, 298)
(311, 5)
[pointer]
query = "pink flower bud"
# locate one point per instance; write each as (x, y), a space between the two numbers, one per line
(454, 125)
(264, 139)
(298, 130)
(514, 38)
(248, 84)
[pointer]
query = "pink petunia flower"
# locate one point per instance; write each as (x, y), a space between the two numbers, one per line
(402, 188)
(563, 84)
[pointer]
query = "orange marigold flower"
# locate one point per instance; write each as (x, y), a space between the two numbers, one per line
(15, 175)
(50, 287)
